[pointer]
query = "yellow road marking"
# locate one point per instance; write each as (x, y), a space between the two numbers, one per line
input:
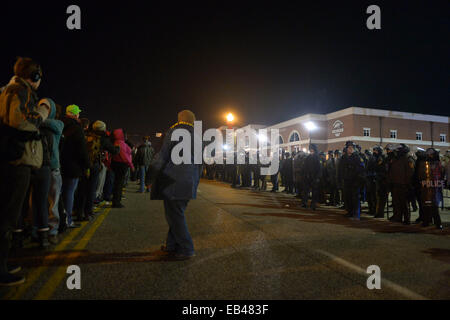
(52, 284)
(35, 274)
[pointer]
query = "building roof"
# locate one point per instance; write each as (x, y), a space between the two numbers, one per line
(362, 111)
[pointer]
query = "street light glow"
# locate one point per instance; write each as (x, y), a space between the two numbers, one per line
(310, 126)
(262, 138)
(230, 117)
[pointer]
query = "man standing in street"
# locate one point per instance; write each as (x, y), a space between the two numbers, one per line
(144, 156)
(21, 151)
(176, 184)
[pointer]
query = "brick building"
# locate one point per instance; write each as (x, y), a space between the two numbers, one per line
(366, 127)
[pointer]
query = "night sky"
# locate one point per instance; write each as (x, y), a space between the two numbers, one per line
(136, 64)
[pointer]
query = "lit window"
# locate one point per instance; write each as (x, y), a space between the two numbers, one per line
(442, 137)
(419, 136)
(294, 137)
(393, 134)
(366, 132)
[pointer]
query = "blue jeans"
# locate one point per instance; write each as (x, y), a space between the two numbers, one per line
(68, 193)
(142, 172)
(178, 237)
(53, 200)
(108, 187)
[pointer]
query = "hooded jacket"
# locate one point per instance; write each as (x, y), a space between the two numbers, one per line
(74, 155)
(124, 156)
(21, 117)
(56, 128)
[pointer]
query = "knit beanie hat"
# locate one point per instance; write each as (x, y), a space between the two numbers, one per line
(186, 116)
(99, 126)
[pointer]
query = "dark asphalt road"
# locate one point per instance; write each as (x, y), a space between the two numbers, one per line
(250, 245)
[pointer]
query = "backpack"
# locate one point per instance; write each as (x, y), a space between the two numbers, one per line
(93, 142)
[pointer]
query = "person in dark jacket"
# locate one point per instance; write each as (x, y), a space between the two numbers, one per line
(298, 169)
(97, 143)
(331, 178)
(176, 184)
(21, 150)
(371, 180)
(352, 167)
(312, 173)
(399, 178)
(144, 157)
(74, 159)
(380, 169)
(55, 127)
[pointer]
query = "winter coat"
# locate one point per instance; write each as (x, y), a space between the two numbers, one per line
(21, 117)
(144, 154)
(171, 181)
(56, 128)
(74, 155)
(124, 156)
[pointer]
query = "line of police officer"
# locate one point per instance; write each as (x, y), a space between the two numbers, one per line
(351, 177)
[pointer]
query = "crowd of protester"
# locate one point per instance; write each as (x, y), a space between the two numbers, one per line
(56, 167)
(348, 178)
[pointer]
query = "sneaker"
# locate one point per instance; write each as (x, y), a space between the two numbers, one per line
(74, 225)
(8, 280)
(12, 269)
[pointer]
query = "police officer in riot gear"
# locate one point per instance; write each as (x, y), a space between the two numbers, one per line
(298, 164)
(337, 161)
(371, 172)
(331, 178)
(287, 173)
(380, 168)
(399, 178)
(431, 178)
(421, 157)
(352, 175)
(312, 175)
